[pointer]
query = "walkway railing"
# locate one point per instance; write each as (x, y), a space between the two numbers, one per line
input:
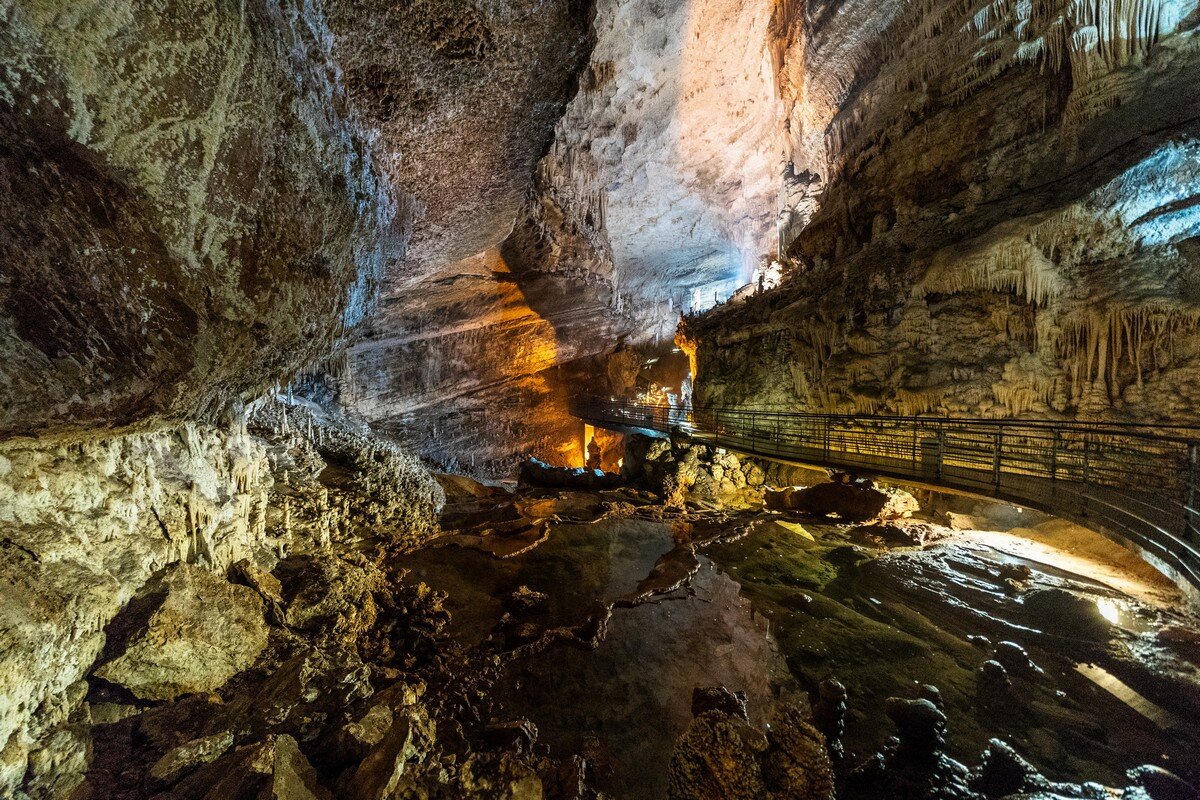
(1135, 483)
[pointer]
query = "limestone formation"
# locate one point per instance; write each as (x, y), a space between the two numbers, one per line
(273, 768)
(264, 264)
(987, 217)
(678, 470)
(722, 755)
(192, 211)
(201, 632)
(846, 498)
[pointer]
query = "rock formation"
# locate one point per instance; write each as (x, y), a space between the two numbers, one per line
(203, 631)
(259, 259)
(1004, 225)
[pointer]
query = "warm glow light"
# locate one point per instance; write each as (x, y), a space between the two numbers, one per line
(1108, 609)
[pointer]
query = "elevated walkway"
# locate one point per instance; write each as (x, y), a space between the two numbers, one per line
(1139, 485)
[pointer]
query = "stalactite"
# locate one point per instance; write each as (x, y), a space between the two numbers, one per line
(1095, 344)
(1012, 266)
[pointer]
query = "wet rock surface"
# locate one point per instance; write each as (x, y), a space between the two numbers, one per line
(574, 644)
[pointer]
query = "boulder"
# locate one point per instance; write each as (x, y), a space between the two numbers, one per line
(190, 755)
(1162, 784)
(272, 769)
(722, 755)
(380, 773)
(718, 698)
(717, 756)
(796, 765)
(201, 631)
(264, 583)
(1066, 614)
(1016, 659)
(853, 500)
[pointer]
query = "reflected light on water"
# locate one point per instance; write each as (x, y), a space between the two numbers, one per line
(1108, 609)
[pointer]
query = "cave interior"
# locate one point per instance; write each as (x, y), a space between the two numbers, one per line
(364, 368)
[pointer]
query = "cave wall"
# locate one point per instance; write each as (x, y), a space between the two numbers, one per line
(83, 527)
(999, 216)
(667, 161)
(653, 188)
(190, 209)
(462, 360)
(480, 372)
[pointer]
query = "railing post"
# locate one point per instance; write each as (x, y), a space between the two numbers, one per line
(825, 421)
(915, 427)
(941, 448)
(1054, 443)
(1087, 471)
(997, 448)
(1189, 529)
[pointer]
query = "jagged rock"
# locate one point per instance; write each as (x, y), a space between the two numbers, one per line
(272, 769)
(722, 755)
(265, 584)
(524, 600)
(58, 764)
(681, 471)
(518, 734)
(718, 698)
(201, 633)
(717, 756)
(305, 692)
(370, 722)
(190, 755)
(109, 713)
(1162, 784)
(796, 765)
(381, 771)
(331, 595)
(1003, 772)
(850, 500)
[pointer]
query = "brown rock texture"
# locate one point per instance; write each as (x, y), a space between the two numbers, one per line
(204, 631)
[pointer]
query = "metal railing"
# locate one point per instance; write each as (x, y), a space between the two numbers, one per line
(1137, 483)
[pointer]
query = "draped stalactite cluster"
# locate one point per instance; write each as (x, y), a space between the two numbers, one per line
(1006, 224)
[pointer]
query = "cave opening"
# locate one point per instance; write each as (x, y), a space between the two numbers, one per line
(581, 399)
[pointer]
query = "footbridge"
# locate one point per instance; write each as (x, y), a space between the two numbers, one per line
(1136, 484)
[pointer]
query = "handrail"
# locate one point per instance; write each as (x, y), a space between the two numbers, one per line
(1136, 483)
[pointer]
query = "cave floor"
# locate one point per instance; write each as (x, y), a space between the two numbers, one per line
(635, 605)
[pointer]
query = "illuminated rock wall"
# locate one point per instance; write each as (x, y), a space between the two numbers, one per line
(1000, 216)
(667, 161)
(479, 372)
(85, 526)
